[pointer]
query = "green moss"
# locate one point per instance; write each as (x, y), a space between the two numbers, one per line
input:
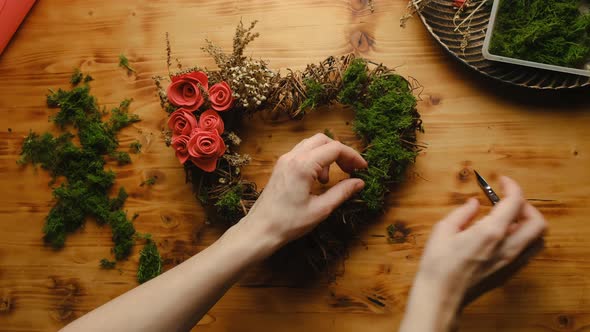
(118, 202)
(77, 77)
(123, 232)
(135, 147)
(385, 113)
(76, 107)
(552, 32)
(107, 264)
(88, 78)
(150, 262)
(315, 94)
(149, 181)
(97, 137)
(120, 117)
(354, 81)
(329, 133)
(122, 158)
(124, 63)
(229, 205)
(397, 233)
(85, 191)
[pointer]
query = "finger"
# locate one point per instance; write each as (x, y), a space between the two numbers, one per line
(325, 175)
(509, 208)
(324, 204)
(312, 142)
(346, 157)
(531, 228)
(461, 216)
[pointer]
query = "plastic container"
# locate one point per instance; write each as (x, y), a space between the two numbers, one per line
(486, 52)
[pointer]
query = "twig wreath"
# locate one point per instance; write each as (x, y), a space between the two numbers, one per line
(207, 107)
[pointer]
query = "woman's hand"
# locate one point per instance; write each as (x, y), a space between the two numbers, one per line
(463, 256)
(459, 255)
(286, 210)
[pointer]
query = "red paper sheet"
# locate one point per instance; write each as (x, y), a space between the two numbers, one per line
(12, 13)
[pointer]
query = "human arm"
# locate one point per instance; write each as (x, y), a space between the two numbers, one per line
(459, 255)
(177, 299)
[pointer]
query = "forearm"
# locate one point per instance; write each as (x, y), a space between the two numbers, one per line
(176, 300)
(431, 307)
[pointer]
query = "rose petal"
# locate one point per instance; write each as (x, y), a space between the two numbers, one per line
(179, 143)
(182, 122)
(206, 164)
(200, 77)
(176, 95)
(221, 97)
(211, 120)
(205, 148)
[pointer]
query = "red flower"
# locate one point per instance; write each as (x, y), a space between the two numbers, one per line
(221, 97)
(180, 145)
(458, 3)
(204, 148)
(210, 120)
(182, 122)
(185, 90)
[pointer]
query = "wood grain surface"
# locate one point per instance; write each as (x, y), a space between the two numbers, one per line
(542, 140)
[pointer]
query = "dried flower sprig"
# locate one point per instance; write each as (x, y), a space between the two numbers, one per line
(251, 79)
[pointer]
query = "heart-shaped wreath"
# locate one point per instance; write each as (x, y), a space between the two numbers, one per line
(206, 108)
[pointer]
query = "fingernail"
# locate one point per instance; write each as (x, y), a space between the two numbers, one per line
(359, 185)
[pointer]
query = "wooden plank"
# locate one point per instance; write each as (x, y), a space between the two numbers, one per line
(540, 139)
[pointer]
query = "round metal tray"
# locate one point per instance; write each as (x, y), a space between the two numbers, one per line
(438, 15)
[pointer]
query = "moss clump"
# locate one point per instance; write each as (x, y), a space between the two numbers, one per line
(354, 81)
(124, 63)
(85, 191)
(149, 181)
(397, 233)
(122, 158)
(551, 32)
(107, 264)
(315, 94)
(135, 147)
(229, 205)
(385, 114)
(77, 77)
(150, 262)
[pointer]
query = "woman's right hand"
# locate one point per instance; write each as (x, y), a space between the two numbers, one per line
(460, 254)
(464, 256)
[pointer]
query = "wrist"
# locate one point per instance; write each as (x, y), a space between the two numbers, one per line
(433, 305)
(256, 243)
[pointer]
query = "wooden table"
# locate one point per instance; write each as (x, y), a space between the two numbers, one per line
(541, 139)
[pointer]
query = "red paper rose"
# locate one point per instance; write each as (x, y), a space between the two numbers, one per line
(204, 148)
(221, 97)
(185, 90)
(182, 122)
(180, 145)
(210, 120)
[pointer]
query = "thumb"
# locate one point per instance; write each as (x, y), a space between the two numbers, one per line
(338, 194)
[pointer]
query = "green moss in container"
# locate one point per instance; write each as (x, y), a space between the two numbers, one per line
(552, 32)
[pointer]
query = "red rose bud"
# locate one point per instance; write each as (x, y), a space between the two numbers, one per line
(205, 148)
(180, 145)
(210, 120)
(182, 122)
(185, 90)
(221, 97)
